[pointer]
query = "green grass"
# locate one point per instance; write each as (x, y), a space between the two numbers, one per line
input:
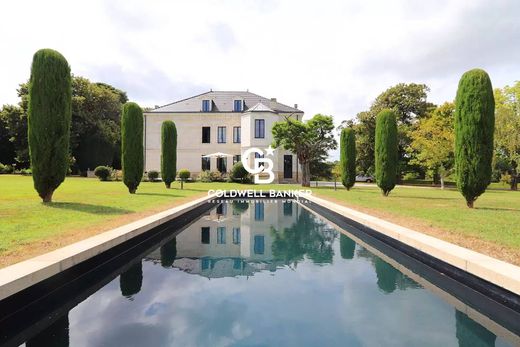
(84, 206)
(79, 204)
(495, 218)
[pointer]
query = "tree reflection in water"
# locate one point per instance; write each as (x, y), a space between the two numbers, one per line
(55, 335)
(347, 246)
(168, 253)
(308, 236)
(472, 334)
(131, 280)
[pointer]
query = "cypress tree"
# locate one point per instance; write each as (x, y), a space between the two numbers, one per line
(132, 156)
(49, 117)
(386, 151)
(348, 157)
(474, 130)
(168, 152)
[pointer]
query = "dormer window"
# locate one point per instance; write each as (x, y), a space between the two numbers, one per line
(206, 105)
(238, 105)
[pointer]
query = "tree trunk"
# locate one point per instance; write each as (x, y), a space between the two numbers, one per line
(168, 185)
(442, 181)
(335, 185)
(514, 181)
(182, 184)
(470, 203)
(132, 190)
(48, 197)
(306, 175)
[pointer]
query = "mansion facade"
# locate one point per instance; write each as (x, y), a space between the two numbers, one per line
(229, 122)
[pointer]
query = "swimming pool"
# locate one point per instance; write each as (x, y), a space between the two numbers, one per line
(260, 273)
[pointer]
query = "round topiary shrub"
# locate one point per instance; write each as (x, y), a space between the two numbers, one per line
(153, 175)
(474, 132)
(48, 120)
(184, 174)
(103, 173)
(386, 151)
(239, 173)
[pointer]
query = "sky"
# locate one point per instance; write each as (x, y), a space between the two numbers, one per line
(329, 57)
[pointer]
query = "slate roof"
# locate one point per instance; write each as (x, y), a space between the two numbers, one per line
(222, 101)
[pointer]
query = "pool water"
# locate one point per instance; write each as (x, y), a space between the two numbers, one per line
(265, 274)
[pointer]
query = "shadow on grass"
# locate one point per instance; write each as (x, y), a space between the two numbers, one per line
(498, 209)
(88, 208)
(160, 194)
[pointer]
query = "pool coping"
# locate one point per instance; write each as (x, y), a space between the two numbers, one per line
(22, 275)
(498, 272)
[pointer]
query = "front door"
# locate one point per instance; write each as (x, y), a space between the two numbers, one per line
(287, 166)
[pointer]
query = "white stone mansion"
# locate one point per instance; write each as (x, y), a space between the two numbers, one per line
(220, 121)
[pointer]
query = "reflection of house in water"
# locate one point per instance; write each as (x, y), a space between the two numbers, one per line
(235, 239)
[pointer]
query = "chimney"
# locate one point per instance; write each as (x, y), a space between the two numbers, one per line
(295, 105)
(273, 99)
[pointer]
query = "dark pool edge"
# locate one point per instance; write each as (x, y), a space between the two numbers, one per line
(486, 297)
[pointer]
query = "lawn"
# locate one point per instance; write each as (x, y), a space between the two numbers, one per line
(492, 227)
(84, 207)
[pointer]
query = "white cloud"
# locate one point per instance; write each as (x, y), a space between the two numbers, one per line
(330, 57)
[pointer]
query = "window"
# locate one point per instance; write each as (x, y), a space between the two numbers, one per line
(259, 244)
(259, 128)
(237, 264)
(221, 235)
(236, 158)
(206, 134)
(205, 263)
(221, 134)
(236, 236)
(206, 164)
(238, 105)
(258, 155)
(222, 164)
(206, 105)
(222, 209)
(204, 235)
(287, 208)
(236, 134)
(259, 211)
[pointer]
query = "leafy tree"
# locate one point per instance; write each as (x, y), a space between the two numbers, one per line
(433, 141)
(348, 157)
(474, 129)
(409, 102)
(95, 125)
(7, 152)
(132, 145)
(95, 131)
(168, 152)
(507, 133)
(386, 151)
(49, 121)
(309, 140)
(15, 120)
(321, 169)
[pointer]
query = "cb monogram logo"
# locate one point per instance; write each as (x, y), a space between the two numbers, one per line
(258, 167)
